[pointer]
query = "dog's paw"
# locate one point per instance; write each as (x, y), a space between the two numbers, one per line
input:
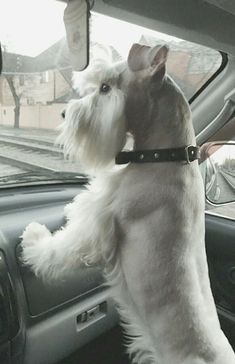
(33, 233)
(33, 242)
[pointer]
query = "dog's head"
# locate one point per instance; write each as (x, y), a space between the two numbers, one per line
(115, 99)
(94, 129)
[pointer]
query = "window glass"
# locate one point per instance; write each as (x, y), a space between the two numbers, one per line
(36, 83)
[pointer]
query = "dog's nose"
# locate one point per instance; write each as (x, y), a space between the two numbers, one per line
(63, 114)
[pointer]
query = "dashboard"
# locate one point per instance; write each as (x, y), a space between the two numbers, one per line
(43, 322)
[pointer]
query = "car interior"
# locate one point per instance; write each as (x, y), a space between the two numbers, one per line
(74, 320)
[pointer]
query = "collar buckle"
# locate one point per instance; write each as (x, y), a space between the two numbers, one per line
(191, 153)
(187, 154)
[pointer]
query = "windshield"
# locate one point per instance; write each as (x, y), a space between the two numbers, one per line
(36, 83)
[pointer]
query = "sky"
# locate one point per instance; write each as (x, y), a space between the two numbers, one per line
(30, 26)
(121, 34)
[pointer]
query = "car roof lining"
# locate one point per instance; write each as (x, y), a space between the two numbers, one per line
(227, 5)
(199, 21)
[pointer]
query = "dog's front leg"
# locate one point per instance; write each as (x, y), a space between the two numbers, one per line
(86, 238)
(50, 255)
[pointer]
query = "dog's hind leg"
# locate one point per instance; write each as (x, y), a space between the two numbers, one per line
(138, 343)
(140, 350)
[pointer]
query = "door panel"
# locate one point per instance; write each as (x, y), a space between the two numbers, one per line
(220, 245)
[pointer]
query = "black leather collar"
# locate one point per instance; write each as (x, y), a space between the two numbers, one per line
(186, 154)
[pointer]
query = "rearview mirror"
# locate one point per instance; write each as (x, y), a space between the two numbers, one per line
(32, 45)
(76, 20)
(220, 172)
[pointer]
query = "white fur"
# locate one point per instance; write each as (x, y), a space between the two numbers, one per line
(94, 130)
(88, 231)
(143, 224)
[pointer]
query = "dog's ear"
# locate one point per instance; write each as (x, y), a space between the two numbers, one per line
(157, 58)
(143, 57)
(138, 58)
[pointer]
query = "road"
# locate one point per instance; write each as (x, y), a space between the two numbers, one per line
(222, 187)
(220, 191)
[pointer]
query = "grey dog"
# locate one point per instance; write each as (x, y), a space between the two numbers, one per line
(144, 222)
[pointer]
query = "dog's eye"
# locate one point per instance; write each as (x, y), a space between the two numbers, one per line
(105, 88)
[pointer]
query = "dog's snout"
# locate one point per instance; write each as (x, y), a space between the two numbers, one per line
(63, 114)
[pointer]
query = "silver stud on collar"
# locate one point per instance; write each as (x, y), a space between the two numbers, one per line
(156, 155)
(141, 157)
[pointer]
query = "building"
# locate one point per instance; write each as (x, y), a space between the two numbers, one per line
(40, 85)
(38, 88)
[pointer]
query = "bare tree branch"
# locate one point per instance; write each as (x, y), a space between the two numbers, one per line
(16, 98)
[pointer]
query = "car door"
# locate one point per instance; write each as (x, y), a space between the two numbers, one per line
(220, 229)
(220, 244)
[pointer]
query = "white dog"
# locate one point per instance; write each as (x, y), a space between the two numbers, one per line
(143, 223)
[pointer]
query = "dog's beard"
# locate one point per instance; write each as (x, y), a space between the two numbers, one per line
(94, 130)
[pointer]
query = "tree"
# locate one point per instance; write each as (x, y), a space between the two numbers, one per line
(11, 64)
(16, 96)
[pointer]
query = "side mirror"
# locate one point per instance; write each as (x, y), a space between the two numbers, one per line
(219, 172)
